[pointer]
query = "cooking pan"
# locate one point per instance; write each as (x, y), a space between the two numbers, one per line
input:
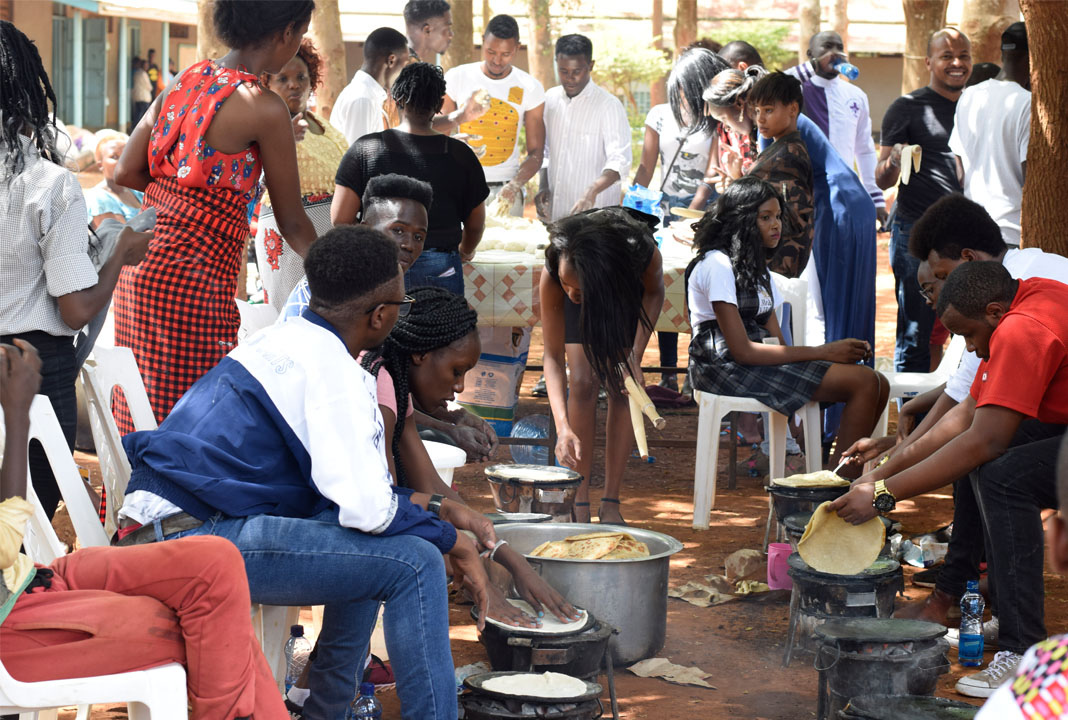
(477, 683)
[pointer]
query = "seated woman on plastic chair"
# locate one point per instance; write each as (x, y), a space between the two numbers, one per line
(732, 301)
(103, 611)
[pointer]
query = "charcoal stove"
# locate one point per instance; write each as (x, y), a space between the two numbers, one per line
(478, 703)
(817, 597)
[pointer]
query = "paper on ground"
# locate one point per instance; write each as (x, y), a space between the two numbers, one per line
(667, 670)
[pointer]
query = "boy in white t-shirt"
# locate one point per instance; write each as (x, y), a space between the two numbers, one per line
(510, 98)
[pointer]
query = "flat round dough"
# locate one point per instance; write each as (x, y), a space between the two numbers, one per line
(550, 624)
(530, 473)
(539, 685)
(832, 545)
(821, 478)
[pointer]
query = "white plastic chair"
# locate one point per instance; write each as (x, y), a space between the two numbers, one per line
(254, 317)
(906, 384)
(713, 408)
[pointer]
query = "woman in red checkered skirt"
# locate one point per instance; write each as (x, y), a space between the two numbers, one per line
(198, 154)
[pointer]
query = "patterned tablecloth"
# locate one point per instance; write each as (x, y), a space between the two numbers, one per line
(503, 287)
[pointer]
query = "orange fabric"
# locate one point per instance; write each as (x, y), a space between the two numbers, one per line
(113, 610)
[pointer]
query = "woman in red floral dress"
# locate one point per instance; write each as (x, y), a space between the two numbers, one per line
(198, 153)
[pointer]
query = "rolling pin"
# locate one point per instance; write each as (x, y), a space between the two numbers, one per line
(638, 423)
(646, 405)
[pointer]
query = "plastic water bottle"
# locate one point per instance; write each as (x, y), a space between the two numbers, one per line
(846, 68)
(970, 649)
(297, 650)
(366, 705)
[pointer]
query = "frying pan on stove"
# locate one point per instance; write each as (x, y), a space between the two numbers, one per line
(477, 683)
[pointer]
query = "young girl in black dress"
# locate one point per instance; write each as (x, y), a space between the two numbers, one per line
(732, 299)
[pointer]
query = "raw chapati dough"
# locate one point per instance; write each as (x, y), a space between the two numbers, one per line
(534, 474)
(821, 478)
(550, 624)
(539, 685)
(593, 546)
(832, 545)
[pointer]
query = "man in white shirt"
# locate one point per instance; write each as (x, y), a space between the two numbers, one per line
(429, 27)
(840, 109)
(991, 129)
(360, 108)
(588, 136)
(496, 98)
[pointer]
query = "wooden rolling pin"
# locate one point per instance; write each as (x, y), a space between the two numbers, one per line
(638, 423)
(646, 405)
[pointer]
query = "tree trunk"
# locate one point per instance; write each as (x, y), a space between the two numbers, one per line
(208, 43)
(325, 32)
(808, 17)
(540, 46)
(1047, 153)
(487, 15)
(462, 48)
(685, 25)
(983, 21)
(922, 19)
(658, 89)
(840, 19)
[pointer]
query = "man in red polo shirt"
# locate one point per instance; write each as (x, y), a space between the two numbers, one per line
(1004, 436)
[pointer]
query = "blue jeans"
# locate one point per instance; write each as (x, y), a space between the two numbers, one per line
(315, 561)
(433, 267)
(912, 350)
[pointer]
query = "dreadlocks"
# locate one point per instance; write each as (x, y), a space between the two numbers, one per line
(420, 89)
(25, 94)
(438, 318)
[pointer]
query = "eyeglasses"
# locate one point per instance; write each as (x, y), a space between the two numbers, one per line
(925, 293)
(403, 306)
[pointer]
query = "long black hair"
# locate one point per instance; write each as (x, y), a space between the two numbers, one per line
(420, 89)
(609, 250)
(731, 227)
(27, 101)
(688, 79)
(438, 318)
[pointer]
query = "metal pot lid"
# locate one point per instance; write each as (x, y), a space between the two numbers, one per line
(559, 629)
(477, 682)
(879, 630)
(504, 518)
(534, 474)
(914, 707)
(797, 522)
(882, 566)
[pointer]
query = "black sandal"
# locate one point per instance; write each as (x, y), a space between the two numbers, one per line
(579, 504)
(622, 523)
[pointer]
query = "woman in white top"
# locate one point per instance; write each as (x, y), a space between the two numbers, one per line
(732, 300)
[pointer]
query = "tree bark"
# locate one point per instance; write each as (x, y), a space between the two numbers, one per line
(487, 15)
(325, 32)
(808, 17)
(658, 89)
(983, 22)
(840, 19)
(685, 25)
(462, 49)
(540, 47)
(208, 43)
(922, 19)
(1047, 152)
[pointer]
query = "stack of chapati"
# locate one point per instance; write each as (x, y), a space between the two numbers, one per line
(608, 545)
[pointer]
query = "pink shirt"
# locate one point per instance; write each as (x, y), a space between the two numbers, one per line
(387, 395)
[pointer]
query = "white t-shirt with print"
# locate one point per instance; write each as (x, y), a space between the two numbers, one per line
(511, 98)
(688, 171)
(712, 280)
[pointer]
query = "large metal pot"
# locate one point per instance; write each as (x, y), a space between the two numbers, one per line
(630, 595)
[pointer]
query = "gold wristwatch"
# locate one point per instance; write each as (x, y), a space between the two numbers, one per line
(884, 500)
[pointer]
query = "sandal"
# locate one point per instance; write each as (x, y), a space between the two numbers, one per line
(621, 522)
(577, 505)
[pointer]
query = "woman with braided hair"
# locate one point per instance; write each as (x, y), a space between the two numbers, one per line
(415, 149)
(423, 362)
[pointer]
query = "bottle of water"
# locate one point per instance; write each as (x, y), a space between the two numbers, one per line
(846, 68)
(366, 705)
(970, 649)
(297, 650)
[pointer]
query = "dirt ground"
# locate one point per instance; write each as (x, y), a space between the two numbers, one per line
(740, 643)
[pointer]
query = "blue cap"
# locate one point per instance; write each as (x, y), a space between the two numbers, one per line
(367, 689)
(973, 586)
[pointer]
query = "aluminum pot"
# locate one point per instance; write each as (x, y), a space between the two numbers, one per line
(630, 595)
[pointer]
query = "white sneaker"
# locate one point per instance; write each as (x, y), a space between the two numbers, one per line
(990, 634)
(983, 684)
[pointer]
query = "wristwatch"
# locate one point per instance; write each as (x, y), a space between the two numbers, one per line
(884, 500)
(434, 505)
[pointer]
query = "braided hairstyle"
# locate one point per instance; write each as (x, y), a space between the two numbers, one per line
(420, 89)
(27, 100)
(438, 319)
(731, 227)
